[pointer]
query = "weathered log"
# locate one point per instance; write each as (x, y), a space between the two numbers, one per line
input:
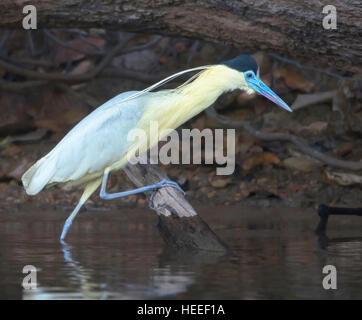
(179, 224)
(293, 28)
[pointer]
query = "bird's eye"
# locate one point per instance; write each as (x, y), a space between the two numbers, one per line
(249, 75)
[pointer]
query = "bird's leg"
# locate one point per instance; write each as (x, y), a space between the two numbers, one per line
(108, 196)
(89, 189)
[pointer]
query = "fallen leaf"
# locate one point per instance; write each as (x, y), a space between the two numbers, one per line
(302, 163)
(5, 143)
(315, 127)
(59, 106)
(141, 202)
(258, 160)
(17, 171)
(11, 151)
(33, 136)
(244, 190)
(341, 178)
(211, 194)
(243, 147)
(180, 46)
(294, 79)
(52, 125)
(141, 61)
(218, 181)
(66, 54)
(305, 100)
(14, 118)
(343, 149)
(82, 67)
(294, 187)
(163, 59)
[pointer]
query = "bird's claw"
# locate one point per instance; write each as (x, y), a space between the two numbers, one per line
(170, 183)
(164, 183)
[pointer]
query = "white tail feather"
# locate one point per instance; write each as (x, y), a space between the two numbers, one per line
(38, 175)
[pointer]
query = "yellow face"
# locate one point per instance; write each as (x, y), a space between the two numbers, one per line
(223, 78)
(228, 79)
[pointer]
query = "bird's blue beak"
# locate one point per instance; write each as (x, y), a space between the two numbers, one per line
(260, 87)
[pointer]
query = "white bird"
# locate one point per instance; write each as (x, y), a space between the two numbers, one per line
(98, 144)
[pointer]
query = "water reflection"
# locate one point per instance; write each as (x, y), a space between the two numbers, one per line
(276, 255)
(170, 278)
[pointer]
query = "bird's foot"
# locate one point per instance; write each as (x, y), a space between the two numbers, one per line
(161, 184)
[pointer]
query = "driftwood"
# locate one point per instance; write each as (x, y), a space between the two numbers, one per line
(179, 224)
(292, 28)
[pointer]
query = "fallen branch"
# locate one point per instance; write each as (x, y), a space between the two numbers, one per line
(69, 46)
(303, 67)
(11, 86)
(42, 78)
(298, 142)
(305, 100)
(70, 78)
(132, 75)
(99, 51)
(179, 224)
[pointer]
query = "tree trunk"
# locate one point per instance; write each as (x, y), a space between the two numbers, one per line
(288, 27)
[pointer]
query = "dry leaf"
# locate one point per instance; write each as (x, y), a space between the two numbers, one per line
(17, 171)
(180, 47)
(315, 127)
(305, 100)
(11, 151)
(14, 118)
(302, 163)
(82, 67)
(218, 181)
(294, 188)
(264, 158)
(294, 79)
(52, 125)
(343, 149)
(32, 136)
(341, 178)
(65, 54)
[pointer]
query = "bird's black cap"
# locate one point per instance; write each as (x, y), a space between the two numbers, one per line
(242, 63)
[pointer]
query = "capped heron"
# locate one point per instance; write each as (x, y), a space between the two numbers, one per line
(98, 144)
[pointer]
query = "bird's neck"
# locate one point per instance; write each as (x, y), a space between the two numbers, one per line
(180, 105)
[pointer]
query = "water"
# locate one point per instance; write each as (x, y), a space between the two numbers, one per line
(120, 255)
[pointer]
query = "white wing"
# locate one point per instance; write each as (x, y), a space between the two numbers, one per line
(94, 143)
